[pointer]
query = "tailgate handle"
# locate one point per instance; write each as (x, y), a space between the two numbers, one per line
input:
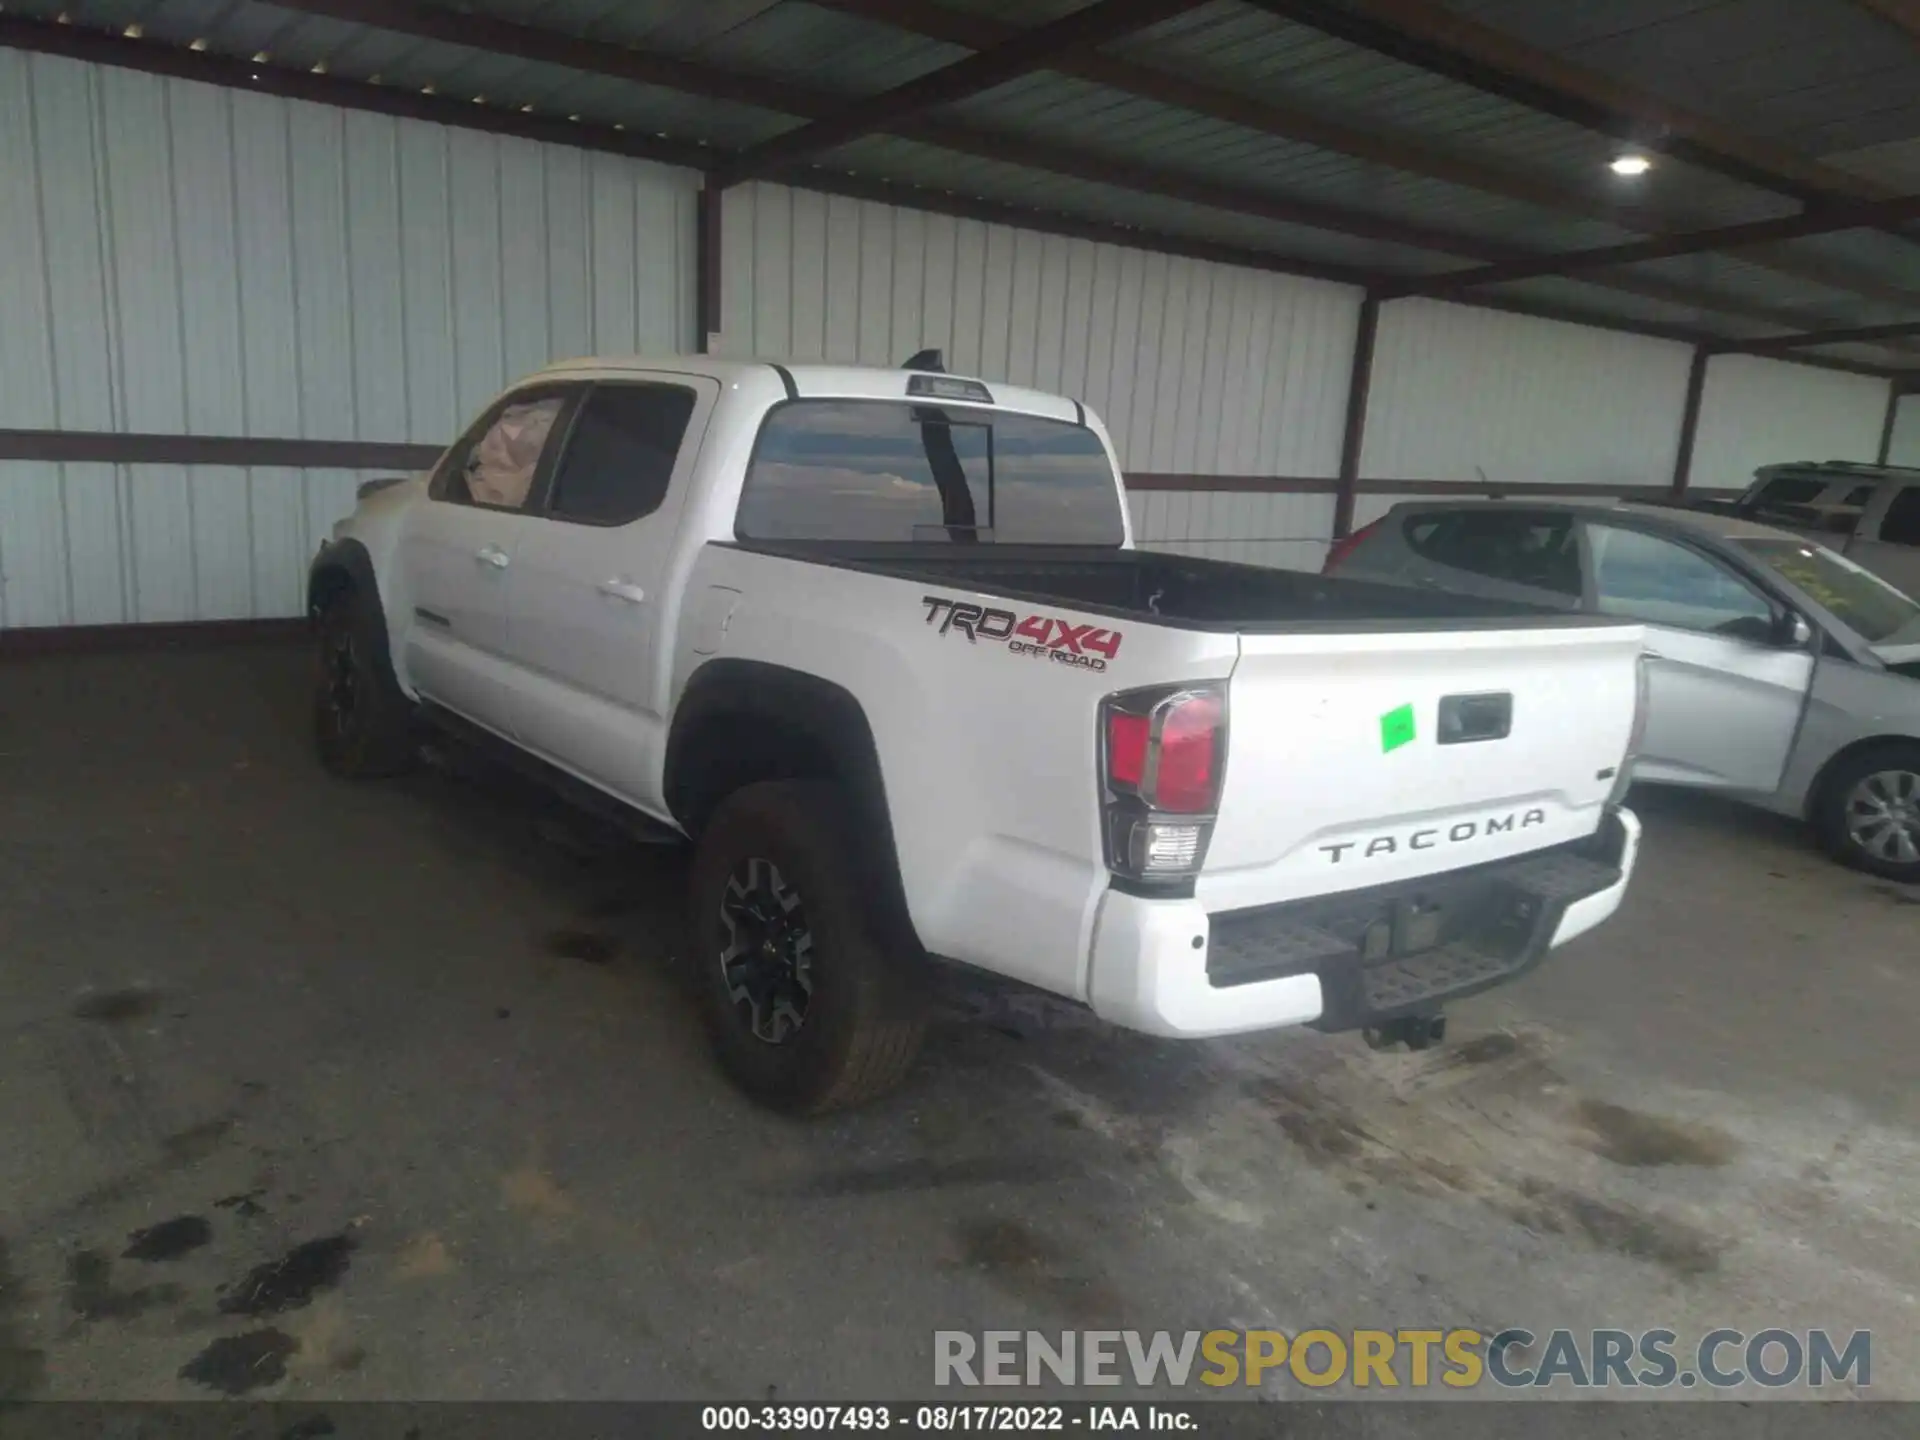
(1465, 719)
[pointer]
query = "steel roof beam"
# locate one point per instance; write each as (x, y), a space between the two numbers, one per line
(1854, 215)
(1084, 29)
(1862, 335)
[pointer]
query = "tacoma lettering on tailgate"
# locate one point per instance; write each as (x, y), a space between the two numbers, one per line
(1459, 833)
(1086, 647)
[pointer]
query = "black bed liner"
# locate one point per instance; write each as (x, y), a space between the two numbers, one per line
(1177, 590)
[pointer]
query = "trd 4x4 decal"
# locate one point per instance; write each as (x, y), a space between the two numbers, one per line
(1087, 647)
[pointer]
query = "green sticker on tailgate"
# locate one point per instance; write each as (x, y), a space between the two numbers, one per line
(1396, 728)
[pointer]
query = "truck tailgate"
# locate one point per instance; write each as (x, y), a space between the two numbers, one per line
(1364, 759)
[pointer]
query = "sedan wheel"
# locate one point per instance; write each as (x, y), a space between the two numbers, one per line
(1883, 816)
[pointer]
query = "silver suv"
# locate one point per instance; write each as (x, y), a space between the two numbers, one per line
(1869, 513)
(1779, 671)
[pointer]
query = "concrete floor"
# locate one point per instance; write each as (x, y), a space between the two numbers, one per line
(427, 1041)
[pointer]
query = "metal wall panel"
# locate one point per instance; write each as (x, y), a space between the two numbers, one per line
(181, 259)
(1459, 392)
(1196, 367)
(1755, 412)
(113, 544)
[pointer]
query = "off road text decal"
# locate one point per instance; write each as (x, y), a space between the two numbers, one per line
(1087, 647)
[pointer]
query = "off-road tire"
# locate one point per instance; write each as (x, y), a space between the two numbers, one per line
(373, 737)
(866, 1012)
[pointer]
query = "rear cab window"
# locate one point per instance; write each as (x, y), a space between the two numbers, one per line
(891, 471)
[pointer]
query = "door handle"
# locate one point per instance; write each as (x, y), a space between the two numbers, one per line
(493, 555)
(623, 590)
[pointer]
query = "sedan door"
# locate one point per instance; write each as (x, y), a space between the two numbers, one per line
(1725, 697)
(456, 556)
(592, 597)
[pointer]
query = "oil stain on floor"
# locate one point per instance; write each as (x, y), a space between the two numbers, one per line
(1017, 1259)
(293, 1280)
(235, 1364)
(1635, 1138)
(117, 1007)
(169, 1240)
(92, 1295)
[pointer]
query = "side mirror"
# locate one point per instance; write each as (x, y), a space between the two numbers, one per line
(1795, 632)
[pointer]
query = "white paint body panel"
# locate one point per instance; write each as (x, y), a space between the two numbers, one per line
(989, 760)
(1311, 794)
(1148, 974)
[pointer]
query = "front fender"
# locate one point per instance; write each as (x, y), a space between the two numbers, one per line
(363, 553)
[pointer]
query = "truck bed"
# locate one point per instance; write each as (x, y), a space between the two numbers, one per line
(1180, 590)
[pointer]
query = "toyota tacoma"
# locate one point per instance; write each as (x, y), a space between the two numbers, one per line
(878, 643)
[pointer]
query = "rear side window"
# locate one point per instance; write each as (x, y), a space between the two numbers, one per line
(1535, 550)
(881, 470)
(1789, 490)
(620, 453)
(1901, 526)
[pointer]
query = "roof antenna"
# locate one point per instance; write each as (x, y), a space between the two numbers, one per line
(931, 361)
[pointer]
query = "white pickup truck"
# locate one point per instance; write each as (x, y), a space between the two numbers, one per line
(879, 643)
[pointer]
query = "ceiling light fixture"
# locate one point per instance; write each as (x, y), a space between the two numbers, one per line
(1630, 165)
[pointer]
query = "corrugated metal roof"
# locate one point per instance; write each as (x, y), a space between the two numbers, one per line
(1252, 51)
(1819, 77)
(1101, 120)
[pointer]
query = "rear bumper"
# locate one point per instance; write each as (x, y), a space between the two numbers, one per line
(1168, 968)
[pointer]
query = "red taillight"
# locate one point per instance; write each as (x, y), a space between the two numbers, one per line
(1186, 779)
(1127, 748)
(1343, 548)
(1165, 750)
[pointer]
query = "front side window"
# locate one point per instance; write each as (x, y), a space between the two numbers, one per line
(620, 453)
(1532, 549)
(494, 464)
(885, 471)
(1645, 577)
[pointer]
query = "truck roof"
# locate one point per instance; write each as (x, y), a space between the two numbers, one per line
(811, 381)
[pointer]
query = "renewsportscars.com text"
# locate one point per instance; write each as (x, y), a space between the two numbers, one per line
(1457, 1359)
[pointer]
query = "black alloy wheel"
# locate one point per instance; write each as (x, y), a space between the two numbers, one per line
(766, 961)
